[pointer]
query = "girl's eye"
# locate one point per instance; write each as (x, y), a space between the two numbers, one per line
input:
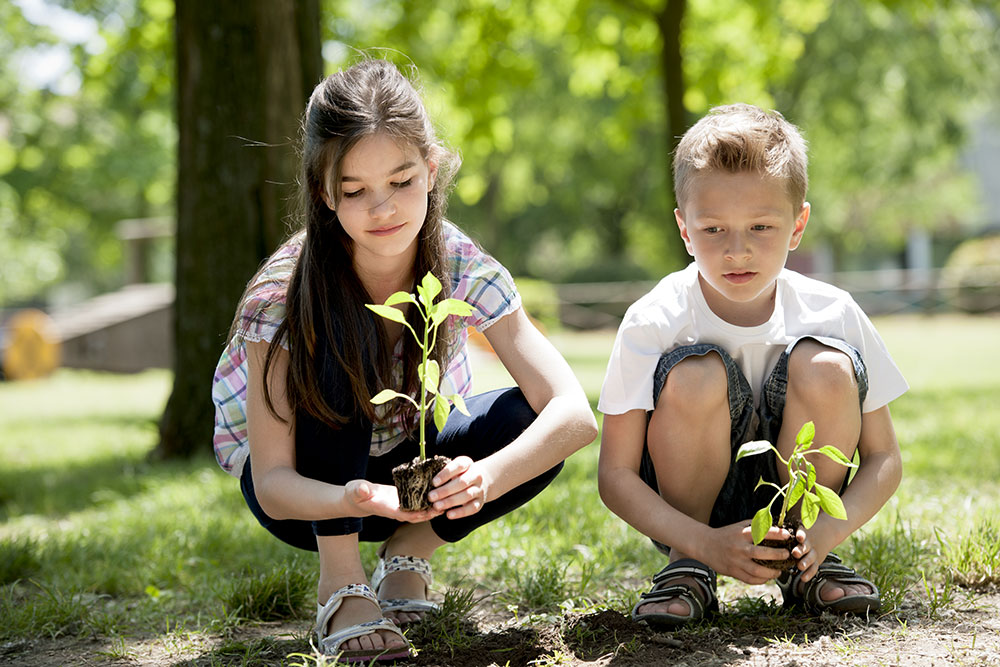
(404, 184)
(352, 195)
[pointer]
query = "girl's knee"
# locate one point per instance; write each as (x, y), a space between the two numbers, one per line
(697, 381)
(822, 372)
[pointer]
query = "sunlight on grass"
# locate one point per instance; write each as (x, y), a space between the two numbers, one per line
(95, 540)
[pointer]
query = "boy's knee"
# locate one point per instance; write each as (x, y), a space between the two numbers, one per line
(817, 370)
(698, 380)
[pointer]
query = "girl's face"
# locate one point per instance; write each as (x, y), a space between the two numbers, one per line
(382, 200)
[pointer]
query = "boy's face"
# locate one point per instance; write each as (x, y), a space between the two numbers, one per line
(739, 228)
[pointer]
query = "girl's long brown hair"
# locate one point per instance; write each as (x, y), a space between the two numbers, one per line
(325, 297)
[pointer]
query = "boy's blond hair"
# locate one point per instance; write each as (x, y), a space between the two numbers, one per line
(741, 137)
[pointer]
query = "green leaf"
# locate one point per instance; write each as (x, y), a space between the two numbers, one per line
(441, 411)
(460, 404)
(761, 524)
(837, 456)
(831, 502)
(428, 289)
(810, 509)
(753, 448)
(806, 434)
(443, 309)
(797, 490)
(388, 312)
(386, 395)
(811, 474)
(399, 297)
(431, 376)
(431, 285)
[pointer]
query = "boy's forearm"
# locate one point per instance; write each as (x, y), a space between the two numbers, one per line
(877, 479)
(641, 507)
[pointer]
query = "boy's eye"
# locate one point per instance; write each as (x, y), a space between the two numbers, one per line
(712, 230)
(761, 228)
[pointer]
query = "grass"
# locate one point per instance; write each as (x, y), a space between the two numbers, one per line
(95, 541)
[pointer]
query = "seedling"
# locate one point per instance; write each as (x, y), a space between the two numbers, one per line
(801, 486)
(429, 371)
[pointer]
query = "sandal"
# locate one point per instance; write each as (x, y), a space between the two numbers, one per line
(329, 644)
(831, 569)
(421, 566)
(663, 590)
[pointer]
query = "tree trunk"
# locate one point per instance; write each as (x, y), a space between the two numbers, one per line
(244, 74)
(670, 20)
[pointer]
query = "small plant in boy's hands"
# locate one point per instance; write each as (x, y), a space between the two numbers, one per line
(413, 480)
(801, 486)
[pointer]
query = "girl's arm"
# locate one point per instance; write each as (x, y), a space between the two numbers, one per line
(281, 491)
(565, 422)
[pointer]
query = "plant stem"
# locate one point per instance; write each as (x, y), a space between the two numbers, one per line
(423, 387)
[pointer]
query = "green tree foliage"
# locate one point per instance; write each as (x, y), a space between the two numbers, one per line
(86, 149)
(559, 108)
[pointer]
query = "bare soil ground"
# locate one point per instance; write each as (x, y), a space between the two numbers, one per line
(967, 634)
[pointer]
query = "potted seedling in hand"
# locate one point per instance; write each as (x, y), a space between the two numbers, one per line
(801, 487)
(413, 480)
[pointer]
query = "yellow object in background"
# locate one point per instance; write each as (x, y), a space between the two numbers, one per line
(30, 346)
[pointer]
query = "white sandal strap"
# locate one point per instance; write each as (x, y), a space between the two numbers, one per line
(331, 644)
(387, 566)
(325, 612)
(406, 605)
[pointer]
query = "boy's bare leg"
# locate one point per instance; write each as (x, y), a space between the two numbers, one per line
(410, 539)
(822, 388)
(340, 565)
(689, 443)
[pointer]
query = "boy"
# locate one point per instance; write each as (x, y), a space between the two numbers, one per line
(736, 348)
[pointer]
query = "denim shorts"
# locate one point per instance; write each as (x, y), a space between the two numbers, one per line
(738, 500)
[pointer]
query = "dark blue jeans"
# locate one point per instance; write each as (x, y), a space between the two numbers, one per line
(339, 456)
(739, 498)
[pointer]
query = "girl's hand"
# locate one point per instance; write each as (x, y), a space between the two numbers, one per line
(382, 500)
(733, 551)
(462, 488)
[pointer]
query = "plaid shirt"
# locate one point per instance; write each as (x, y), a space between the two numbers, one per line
(476, 278)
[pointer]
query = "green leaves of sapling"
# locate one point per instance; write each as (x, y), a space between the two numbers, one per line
(801, 487)
(761, 524)
(428, 371)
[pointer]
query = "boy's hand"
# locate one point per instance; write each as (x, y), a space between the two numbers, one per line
(733, 553)
(461, 488)
(810, 551)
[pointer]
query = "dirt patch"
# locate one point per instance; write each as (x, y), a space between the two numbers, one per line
(967, 635)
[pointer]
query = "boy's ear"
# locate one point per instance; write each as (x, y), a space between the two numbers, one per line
(800, 226)
(679, 217)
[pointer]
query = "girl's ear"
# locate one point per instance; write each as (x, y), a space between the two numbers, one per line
(432, 170)
(327, 200)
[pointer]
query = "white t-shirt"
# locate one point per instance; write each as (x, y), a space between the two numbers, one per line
(675, 313)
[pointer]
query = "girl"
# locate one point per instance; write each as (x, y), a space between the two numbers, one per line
(293, 418)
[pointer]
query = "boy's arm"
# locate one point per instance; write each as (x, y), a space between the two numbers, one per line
(728, 550)
(624, 492)
(879, 471)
